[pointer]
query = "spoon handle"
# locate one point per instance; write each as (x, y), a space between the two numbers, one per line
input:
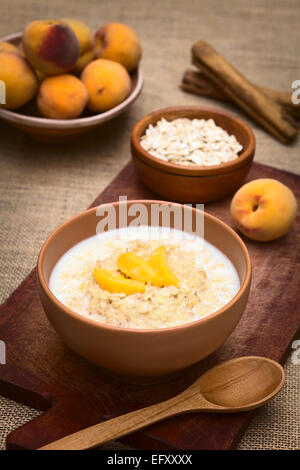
(98, 434)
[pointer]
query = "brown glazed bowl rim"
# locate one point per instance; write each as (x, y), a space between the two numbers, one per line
(81, 318)
(244, 158)
(81, 122)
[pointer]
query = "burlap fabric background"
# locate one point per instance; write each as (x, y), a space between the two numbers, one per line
(41, 186)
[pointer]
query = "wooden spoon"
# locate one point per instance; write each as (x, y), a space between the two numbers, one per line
(240, 384)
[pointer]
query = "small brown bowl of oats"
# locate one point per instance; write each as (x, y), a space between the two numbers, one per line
(192, 155)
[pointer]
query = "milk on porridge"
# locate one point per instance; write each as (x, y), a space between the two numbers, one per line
(144, 277)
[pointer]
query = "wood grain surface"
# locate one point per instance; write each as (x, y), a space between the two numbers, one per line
(43, 373)
(240, 384)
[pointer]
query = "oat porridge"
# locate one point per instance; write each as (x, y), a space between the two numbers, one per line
(144, 277)
(190, 142)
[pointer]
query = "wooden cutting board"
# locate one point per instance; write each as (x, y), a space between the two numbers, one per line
(45, 374)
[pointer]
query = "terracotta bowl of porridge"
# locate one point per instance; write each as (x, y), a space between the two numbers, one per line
(197, 161)
(144, 301)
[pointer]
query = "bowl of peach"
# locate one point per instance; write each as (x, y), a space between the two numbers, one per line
(59, 80)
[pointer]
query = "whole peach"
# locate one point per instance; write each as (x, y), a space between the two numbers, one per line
(107, 82)
(62, 97)
(8, 47)
(263, 209)
(86, 43)
(51, 46)
(20, 80)
(117, 41)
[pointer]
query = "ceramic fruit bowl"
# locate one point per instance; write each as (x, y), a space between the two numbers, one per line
(193, 183)
(29, 120)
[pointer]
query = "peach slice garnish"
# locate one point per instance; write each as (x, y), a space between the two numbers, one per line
(137, 268)
(158, 261)
(116, 282)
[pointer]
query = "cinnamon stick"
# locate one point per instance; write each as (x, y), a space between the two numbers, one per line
(194, 81)
(267, 112)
